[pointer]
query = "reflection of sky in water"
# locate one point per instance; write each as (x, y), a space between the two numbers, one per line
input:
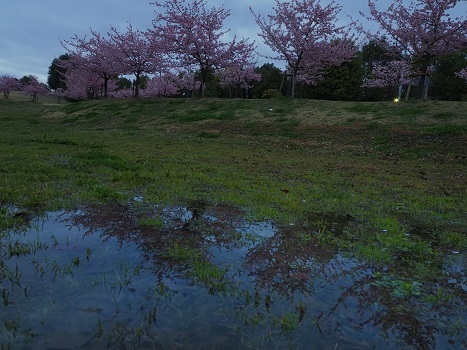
(88, 282)
(456, 265)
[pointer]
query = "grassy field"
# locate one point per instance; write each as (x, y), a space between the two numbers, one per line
(382, 183)
(390, 167)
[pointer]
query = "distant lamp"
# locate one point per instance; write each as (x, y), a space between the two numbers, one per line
(396, 100)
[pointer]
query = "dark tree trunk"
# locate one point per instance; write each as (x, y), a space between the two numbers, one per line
(295, 71)
(420, 87)
(136, 94)
(204, 74)
(282, 82)
(423, 77)
(106, 81)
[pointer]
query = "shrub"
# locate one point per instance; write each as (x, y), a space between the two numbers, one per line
(270, 93)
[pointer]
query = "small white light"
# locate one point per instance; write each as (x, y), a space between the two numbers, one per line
(396, 100)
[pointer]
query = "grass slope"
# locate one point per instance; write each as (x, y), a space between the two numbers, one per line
(377, 167)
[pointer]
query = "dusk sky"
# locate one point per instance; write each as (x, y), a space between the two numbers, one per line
(31, 30)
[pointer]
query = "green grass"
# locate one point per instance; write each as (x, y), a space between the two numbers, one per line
(389, 166)
(384, 183)
(198, 267)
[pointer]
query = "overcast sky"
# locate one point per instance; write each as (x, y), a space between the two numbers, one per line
(31, 30)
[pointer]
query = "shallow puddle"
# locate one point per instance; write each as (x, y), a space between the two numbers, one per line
(198, 277)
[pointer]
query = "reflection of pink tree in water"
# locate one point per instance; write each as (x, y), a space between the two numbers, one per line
(404, 310)
(397, 306)
(284, 265)
(190, 234)
(355, 299)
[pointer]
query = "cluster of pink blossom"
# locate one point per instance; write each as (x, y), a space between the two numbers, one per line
(164, 85)
(186, 35)
(95, 63)
(84, 82)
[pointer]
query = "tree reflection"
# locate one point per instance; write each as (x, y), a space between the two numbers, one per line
(291, 264)
(285, 265)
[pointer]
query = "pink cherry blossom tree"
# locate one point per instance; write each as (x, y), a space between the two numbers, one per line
(305, 34)
(423, 31)
(96, 56)
(193, 32)
(391, 75)
(82, 81)
(162, 85)
(238, 77)
(34, 88)
(138, 52)
(7, 84)
(59, 93)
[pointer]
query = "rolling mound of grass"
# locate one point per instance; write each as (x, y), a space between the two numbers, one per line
(390, 166)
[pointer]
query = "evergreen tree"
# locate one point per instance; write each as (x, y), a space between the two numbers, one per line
(55, 78)
(342, 82)
(446, 84)
(375, 52)
(271, 78)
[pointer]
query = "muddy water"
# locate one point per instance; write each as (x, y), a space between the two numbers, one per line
(197, 277)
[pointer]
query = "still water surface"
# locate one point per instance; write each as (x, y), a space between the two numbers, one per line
(206, 279)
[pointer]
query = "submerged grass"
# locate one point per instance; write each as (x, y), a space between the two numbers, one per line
(390, 166)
